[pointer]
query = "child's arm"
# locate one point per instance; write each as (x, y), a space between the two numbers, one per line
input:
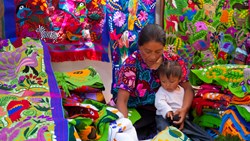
(161, 104)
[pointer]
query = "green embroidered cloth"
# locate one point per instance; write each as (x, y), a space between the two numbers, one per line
(228, 76)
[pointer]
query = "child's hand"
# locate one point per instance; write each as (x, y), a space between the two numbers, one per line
(170, 115)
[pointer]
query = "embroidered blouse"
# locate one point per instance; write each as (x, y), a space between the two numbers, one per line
(140, 81)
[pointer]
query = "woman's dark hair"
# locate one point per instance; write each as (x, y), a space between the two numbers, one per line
(170, 68)
(152, 32)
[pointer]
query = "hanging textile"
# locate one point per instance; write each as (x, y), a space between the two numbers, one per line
(125, 20)
(30, 100)
(73, 29)
(206, 32)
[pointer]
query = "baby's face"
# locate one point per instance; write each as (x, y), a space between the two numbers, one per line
(169, 84)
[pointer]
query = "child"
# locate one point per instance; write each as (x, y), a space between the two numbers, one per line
(169, 98)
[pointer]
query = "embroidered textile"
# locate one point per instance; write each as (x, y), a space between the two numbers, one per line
(30, 101)
(207, 32)
(73, 29)
(125, 19)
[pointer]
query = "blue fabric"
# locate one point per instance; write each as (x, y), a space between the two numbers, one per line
(236, 124)
(9, 19)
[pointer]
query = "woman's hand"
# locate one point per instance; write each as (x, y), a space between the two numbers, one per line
(182, 114)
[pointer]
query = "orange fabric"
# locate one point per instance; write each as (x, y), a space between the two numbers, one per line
(244, 100)
(217, 96)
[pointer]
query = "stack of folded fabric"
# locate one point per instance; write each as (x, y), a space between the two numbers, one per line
(221, 89)
(236, 121)
(85, 84)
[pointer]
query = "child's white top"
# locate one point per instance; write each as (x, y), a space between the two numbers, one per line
(168, 101)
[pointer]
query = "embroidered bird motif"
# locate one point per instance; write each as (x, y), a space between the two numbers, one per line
(23, 13)
(28, 62)
(202, 45)
(225, 46)
(15, 108)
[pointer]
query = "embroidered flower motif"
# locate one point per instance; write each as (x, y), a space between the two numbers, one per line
(148, 2)
(3, 42)
(142, 87)
(2, 112)
(200, 26)
(119, 18)
(42, 3)
(222, 55)
(231, 30)
(171, 49)
(142, 16)
(33, 79)
(215, 37)
(130, 76)
(140, 90)
(208, 56)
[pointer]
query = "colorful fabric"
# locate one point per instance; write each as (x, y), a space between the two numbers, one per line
(125, 20)
(244, 111)
(30, 101)
(122, 130)
(199, 103)
(211, 88)
(217, 97)
(141, 82)
(73, 29)
(234, 124)
(133, 115)
(228, 76)
(171, 134)
(207, 121)
(206, 32)
(78, 79)
(240, 100)
(95, 118)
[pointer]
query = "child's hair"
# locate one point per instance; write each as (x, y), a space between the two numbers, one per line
(152, 32)
(170, 68)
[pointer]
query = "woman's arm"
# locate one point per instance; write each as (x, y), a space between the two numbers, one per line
(188, 96)
(122, 101)
(187, 102)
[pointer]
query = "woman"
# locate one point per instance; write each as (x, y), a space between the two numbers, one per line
(138, 80)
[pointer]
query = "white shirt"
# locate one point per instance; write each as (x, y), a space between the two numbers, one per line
(168, 101)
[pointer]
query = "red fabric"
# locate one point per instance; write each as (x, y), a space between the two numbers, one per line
(199, 103)
(75, 55)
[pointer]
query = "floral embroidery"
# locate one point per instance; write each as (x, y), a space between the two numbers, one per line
(148, 2)
(200, 26)
(33, 79)
(231, 31)
(42, 3)
(141, 90)
(143, 16)
(119, 18)
(3, 42)
(130, 78)
(215, 37)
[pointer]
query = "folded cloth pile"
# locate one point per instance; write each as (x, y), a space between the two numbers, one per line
(85, 83)
(220, 87)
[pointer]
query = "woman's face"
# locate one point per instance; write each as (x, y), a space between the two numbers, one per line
(151, 52)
